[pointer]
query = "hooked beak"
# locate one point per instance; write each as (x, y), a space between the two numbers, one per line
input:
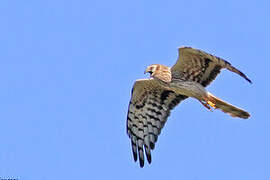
(146, 71)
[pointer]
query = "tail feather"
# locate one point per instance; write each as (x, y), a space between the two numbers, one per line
(228, 108)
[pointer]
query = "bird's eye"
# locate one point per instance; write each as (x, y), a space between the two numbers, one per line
(150, 72)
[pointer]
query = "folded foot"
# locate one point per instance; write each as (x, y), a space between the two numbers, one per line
(208, 104)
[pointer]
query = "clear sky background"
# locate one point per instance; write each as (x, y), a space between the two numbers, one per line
(67, 68)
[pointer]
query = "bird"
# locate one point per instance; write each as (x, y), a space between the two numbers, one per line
(152, 99)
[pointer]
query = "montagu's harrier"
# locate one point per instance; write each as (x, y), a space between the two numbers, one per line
(152, 99)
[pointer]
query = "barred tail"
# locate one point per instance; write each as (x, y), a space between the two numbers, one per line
(228, 108)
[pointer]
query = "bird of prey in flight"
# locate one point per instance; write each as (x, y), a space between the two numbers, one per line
(153, 99)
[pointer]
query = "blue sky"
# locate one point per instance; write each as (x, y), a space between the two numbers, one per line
(67, 69)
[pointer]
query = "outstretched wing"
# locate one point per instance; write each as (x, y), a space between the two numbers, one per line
(148, 111)
(199, 66)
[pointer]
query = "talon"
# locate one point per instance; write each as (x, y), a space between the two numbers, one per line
(213, 105)
(208, 104)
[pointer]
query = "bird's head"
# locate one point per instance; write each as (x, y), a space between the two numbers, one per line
(159, 72)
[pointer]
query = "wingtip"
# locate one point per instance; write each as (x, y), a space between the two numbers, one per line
(233, 69)
(141, 163)
(149, 159)
(135, 157)
(246, 78)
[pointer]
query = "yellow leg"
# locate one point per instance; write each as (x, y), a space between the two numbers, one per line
(208, 104)
(213, 105)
